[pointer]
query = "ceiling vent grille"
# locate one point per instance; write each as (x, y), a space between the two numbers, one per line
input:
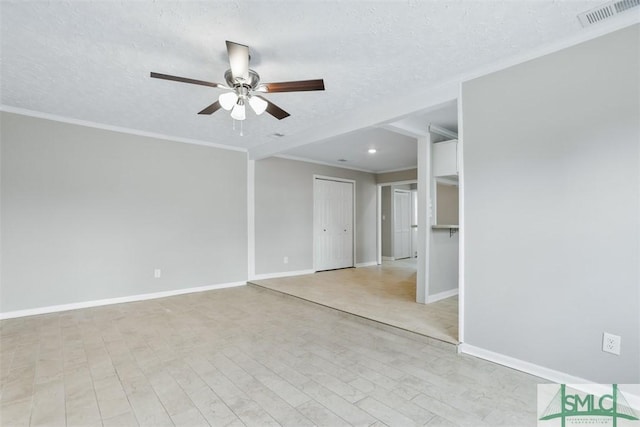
(606, 11)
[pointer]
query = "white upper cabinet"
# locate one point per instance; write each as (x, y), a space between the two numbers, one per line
(445, 158)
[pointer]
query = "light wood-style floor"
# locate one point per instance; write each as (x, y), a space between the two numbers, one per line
(243, 356)
(385, 293)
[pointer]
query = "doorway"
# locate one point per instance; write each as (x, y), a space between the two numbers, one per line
(397, 221)
(401, 224)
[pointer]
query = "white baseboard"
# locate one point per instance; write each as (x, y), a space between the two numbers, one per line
(521, 365)
(366, 264)
(582, 384)
(118, 300)
(281, 274)
(388, 258)
(441, 295)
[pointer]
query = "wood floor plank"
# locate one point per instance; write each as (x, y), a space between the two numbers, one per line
(243, 357)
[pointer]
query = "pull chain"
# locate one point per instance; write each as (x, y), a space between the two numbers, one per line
(241, 126)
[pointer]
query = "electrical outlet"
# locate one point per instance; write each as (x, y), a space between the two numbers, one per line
(286, 260)
(611, 343)
(157, 273)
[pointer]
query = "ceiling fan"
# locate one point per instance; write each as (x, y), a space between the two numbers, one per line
(243, 87)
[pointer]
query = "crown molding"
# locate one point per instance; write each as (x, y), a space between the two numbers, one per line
(319, 162)
(120, 129)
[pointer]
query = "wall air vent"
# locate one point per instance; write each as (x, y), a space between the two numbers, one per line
(606, 11)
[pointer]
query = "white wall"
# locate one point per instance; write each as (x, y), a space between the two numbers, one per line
(284, 213)
(88, 214)
(552, 209)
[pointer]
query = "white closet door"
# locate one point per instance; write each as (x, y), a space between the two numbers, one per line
(333, 224)
(402, 224)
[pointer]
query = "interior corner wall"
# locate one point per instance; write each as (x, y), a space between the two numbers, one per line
(88, 214)
(552, 209)
(284, 214)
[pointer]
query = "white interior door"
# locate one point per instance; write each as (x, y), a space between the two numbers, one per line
(333, 224)
(402, 224)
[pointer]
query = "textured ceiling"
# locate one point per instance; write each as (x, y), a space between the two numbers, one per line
(91, 60)
(395, 142)
(394, 151)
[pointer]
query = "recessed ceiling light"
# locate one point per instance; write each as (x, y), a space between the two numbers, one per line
(372, 150)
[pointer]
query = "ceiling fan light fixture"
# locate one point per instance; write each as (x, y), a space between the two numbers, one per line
(239, 111)
(242, 83)
(228, 100)
(258, 105)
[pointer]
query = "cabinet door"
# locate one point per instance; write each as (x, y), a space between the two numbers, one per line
(445, 158)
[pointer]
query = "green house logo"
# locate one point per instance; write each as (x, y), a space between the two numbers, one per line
(587, 409)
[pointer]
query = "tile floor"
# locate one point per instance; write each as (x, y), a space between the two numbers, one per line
(385, 293)
(243, 356)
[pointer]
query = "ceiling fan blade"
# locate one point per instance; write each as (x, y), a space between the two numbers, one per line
(185, 80)
(273, 109)
(211, 108)
(239, 60)
(297, 86)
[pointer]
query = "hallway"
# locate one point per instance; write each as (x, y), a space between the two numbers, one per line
(385, 293)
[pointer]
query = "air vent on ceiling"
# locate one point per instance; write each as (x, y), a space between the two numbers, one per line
(606, 11)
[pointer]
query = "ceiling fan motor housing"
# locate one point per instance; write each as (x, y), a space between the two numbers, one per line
(242, 82)
(251, 83)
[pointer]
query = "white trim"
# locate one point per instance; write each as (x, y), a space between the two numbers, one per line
(442, 295)
(251, 217)
(117, 300)
(366, 264)
(379, 223)
(439, 130)
(461, 218)
(521, 365)
(388, 258)
(120, 129)
(392, 183)
(399, 170)
(319, 162)
(424, 218)
(353, 195)
(281, 274)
